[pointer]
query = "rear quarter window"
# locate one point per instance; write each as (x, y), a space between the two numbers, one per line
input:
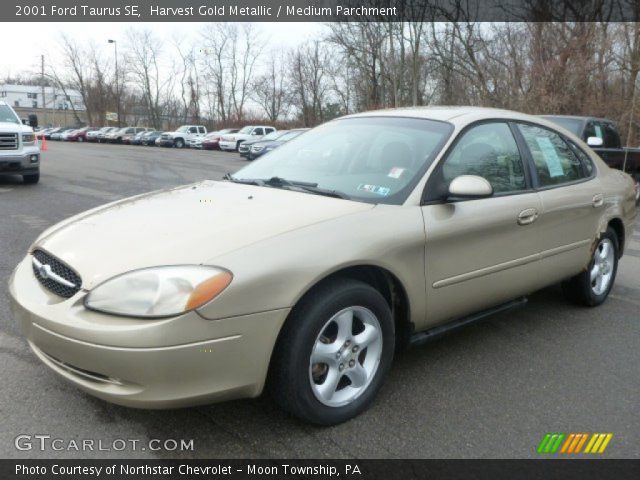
(555, 161)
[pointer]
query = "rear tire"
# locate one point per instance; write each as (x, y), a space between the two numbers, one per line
(592, 286)
(31, 179)
(346, 326)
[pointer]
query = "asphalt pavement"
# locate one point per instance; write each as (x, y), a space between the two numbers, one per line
(492, 390)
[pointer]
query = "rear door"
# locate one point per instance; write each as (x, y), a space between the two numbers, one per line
(481, 252)
(572, 201)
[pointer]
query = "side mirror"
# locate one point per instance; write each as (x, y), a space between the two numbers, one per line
(594, 142)
(470, 186)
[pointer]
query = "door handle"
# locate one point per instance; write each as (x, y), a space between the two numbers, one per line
(598, 200)
(527, 216)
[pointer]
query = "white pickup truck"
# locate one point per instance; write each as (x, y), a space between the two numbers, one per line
(232, 141)
(19, 152)
(182, 136)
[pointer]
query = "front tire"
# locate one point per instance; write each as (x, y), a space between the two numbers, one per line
(179, 143)
(592, 286)
(333, 353)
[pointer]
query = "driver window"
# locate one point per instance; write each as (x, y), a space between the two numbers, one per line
(489, 151)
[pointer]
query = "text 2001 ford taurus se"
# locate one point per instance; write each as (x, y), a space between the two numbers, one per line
(306, 270)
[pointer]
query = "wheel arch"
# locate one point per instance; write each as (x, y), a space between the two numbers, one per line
(382, 280)
(617, 225)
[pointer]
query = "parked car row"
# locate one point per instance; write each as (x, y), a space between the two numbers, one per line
(251, 141)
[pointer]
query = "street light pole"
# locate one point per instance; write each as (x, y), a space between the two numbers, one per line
(115, 46)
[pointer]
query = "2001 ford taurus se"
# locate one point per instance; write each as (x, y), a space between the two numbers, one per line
(306, 270)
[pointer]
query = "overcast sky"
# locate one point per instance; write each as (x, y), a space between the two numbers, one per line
(30, 40)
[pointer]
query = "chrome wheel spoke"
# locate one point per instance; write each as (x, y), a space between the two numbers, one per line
(365, 338)
(595, 272)
(324, 353)
(358, 376)
(327, 389)
(604, 251)
(345, 325)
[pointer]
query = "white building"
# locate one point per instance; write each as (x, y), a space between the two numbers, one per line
(30, 96)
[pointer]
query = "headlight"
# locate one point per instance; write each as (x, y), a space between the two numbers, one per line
(28, 138)
(159, 291)
(256, 149)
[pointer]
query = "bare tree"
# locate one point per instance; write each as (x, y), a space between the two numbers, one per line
(270, 90)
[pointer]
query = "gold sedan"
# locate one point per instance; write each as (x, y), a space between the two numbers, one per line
(307, 269)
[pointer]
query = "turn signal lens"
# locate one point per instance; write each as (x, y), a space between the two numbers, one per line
(208, 290)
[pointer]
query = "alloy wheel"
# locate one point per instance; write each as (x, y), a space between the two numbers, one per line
(345, 356)
(602, 267)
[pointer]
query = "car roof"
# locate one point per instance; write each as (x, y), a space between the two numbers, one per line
(578, 117)
(457, 115)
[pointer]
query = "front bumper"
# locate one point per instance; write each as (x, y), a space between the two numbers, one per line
(165, 142)
(20, 163)
(254, 155)
(227, 145)
(165, 363)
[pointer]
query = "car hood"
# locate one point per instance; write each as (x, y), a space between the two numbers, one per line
(9, 127)
(185, 225)
(270, 143)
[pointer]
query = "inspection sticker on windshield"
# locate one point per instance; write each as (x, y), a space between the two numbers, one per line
(395, 172)
(375, 189)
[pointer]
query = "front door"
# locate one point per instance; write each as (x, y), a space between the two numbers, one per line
(482, 252)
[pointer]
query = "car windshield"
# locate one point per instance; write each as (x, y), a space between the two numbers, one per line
(246, 130)
(290, 135)
(273, 135)
(370, 159)
(574, 125)
(7, 115)
(183, 129)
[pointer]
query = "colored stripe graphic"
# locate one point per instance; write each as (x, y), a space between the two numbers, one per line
(573, 443)
(598, 443)
(550, 443)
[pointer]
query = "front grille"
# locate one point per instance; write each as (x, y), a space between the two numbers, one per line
(60, 270)
(8, 141)
(243, 148)
(10, 166)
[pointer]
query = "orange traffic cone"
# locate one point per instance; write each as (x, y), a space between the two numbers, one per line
(43, 145)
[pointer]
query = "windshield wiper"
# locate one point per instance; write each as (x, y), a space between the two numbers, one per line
(279, 182)
(324, 191)
(245, 181)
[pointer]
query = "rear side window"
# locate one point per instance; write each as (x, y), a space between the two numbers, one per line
(555, 162)
(587, 163)
(611, 137)
(200, 129)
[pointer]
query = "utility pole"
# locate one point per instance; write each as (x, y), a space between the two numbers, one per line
(44, 104)
(115, 46)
